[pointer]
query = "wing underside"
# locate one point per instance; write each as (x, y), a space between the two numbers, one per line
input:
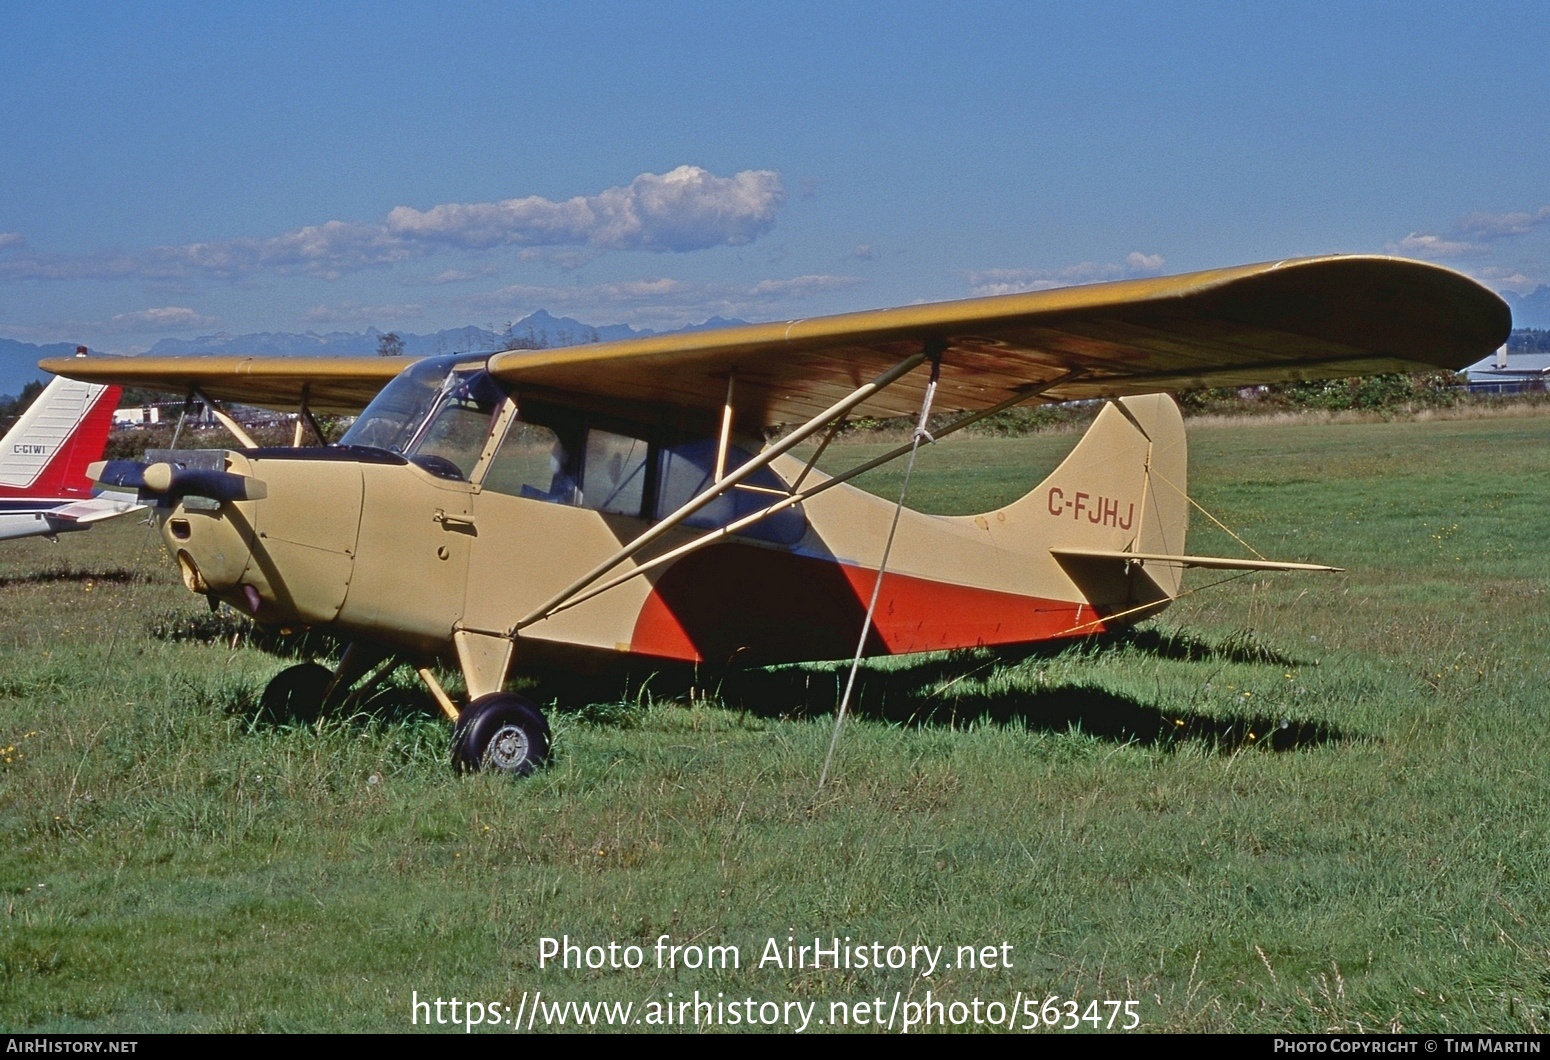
(339, 386)
(1314, 318)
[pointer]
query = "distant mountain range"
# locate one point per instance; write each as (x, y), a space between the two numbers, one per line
(19, 360)
(542, 329)
(19, 363)
(1530, 310)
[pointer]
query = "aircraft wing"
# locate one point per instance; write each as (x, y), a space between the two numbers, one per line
(1309, 318)
(337, 386)
(1312, 318)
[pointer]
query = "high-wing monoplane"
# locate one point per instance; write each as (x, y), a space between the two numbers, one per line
(540, 508)
(44, 490)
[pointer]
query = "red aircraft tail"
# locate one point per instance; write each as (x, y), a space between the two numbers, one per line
(66, 428)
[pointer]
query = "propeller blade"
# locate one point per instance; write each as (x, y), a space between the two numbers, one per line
(169, 480)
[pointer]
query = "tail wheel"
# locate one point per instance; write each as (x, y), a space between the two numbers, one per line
(500, 732)
(296, 693)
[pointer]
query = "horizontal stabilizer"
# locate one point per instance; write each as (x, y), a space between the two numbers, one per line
(102, 506)
(1209, 562)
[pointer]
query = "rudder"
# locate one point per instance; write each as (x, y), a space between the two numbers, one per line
(62, 431)
(1122, 489)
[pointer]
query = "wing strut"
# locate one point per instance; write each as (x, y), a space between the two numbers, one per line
(727, 482)
(301, 422)
(796, 497)
(188, 406)
(725, 438)
(305, 418)
(226, 421)
(882, 566)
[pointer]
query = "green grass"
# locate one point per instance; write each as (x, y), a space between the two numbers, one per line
(1294, 803)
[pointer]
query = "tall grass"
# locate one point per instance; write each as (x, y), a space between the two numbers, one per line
(1292, 803)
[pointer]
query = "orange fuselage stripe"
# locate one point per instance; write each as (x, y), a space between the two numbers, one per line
(772, 607)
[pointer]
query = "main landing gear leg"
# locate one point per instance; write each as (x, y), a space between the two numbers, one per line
(497, 731)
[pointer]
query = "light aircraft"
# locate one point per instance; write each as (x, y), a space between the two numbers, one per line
(44, 490)
(544, 508)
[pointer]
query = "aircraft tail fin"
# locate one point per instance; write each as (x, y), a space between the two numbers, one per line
(62, 431)
(1121, 490)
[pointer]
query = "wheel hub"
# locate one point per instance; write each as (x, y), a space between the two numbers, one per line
(509, 749)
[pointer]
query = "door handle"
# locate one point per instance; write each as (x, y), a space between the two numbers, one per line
(453, 522)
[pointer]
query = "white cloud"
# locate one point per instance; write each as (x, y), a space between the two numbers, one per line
(1475, 236)
(101, 335)
(31, 265)
(447, 276)
(1423, 245)
(802, 286)
(1508, 279)
(863, 252)
(12, 240)
(683, 210)
(164, 318)
(566, 259)
(686, 209)
(62, 331)
(452, 276)
(987, 282)
(1501, 225)
(355, 313)
(663, 302)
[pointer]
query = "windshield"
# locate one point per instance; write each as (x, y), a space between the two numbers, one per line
(395, 415)
(453, 436)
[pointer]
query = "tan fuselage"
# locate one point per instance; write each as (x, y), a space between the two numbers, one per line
(389, 552)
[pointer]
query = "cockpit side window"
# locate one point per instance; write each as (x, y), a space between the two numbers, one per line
(687, 470)
(453, 440)
(563, 456)
(613, 479)
(557, 455)
(535, 462)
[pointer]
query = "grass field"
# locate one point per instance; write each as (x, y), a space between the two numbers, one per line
(1293, 803)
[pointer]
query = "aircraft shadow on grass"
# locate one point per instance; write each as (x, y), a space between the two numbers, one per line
(930, 690)
(901, 700)
(53, 575)
(946, 690)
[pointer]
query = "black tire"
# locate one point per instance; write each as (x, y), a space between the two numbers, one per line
(500, 732)
(296, 693)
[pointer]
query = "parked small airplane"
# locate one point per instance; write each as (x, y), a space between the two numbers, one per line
(44, 489)
(543, 508)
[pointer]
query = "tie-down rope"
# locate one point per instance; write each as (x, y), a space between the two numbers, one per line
(866, 625)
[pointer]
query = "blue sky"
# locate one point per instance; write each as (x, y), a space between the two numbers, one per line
(177, 170)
